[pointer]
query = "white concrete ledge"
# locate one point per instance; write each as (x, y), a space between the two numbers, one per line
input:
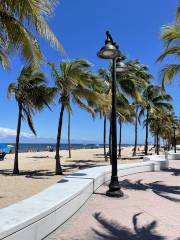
(174, 156)
(163, 159)
(36, 217)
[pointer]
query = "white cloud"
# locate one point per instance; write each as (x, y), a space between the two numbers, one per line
(8, 132)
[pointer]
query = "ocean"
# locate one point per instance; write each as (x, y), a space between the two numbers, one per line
(38, 147)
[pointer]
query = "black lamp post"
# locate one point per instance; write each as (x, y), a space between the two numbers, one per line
(110, 51)
(157, 136)
(174, 128)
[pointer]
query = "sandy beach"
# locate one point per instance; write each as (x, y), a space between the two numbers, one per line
(37, 171)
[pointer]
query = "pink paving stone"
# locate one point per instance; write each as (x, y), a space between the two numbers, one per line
(150, 212)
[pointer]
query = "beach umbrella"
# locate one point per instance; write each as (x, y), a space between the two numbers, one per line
(4, 148)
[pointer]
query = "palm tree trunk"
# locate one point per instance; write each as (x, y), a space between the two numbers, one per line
(155, 139)
(58, 164)
(135, 133)
(69, 130)
(16, 167)
(105, 154)
(120, 137)
(157, 142)
(146, 139)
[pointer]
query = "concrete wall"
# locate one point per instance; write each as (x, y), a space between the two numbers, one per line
(174, 156)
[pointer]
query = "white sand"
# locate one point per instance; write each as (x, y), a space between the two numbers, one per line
(37, 171)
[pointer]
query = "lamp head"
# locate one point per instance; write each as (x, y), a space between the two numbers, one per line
(120, 66)
(110, 49)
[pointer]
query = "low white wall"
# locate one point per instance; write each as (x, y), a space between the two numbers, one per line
(163, 159)
(36, 217)
(174, 156)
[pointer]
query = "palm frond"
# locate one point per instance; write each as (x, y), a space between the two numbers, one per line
(169, 72)
(4, 59)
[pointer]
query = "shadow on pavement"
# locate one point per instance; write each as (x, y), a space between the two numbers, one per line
(159, 189)
(115, 231)
(174, 171)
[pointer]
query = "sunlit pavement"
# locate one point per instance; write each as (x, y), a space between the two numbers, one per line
(150, 210)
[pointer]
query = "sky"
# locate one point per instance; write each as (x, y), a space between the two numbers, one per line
(80, 27)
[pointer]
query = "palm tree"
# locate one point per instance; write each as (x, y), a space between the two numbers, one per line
(74, 83)
(170, 34)
(154, 99)
(128, 84)
(139, 72)
(18, 19)
(125, 114)
(31, 94)
(105, 107)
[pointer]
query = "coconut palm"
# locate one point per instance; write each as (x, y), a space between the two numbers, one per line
(105, 107)
(74, 83)
(18, 19)
(32, 94)
(125, 114)
(170, 34)
(154, 100)
(138, 72)
(128, 84)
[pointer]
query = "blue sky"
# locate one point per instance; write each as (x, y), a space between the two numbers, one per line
(80, 26)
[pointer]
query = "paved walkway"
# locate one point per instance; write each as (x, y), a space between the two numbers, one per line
(150, 210)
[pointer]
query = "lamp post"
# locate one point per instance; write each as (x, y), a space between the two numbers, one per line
(157, 136)
(110, 51)
(174, 128)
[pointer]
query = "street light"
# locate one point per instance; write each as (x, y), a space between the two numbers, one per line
(110, 51)
(120, 66)
(174, 128)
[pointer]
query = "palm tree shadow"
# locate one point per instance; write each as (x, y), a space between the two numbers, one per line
(174, 171)
(36, 174)
(156, 187)
(115, 231)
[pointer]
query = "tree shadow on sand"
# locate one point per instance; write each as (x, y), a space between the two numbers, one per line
(156, 187)
(36, 174)
(112, 230)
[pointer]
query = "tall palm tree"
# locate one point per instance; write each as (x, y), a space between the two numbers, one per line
(170, 34)
(125, 114)
(128, 84)
(105, 107)
(74, 83)
(138, 72)
(19, 19)
(32, 94)
(154, 99)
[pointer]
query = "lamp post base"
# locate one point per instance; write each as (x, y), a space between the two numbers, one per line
(114, 188)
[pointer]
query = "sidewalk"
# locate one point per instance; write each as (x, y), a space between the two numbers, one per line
(150, 210)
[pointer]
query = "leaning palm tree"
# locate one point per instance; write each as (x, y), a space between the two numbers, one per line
(74, 83)
(154, 99)
(32, 94)
(20, 20)
(170, 34)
